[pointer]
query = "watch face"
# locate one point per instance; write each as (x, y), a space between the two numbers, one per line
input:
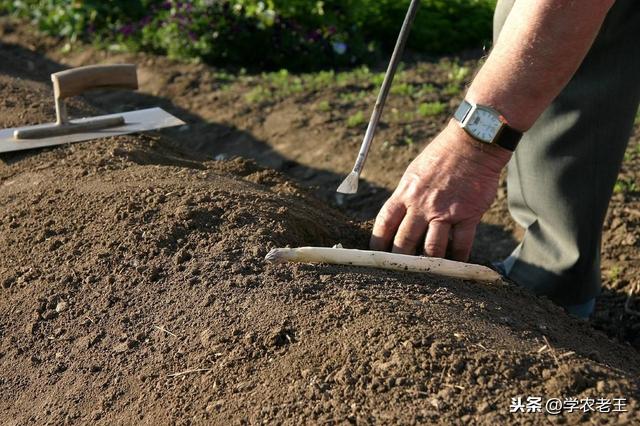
(483, 124)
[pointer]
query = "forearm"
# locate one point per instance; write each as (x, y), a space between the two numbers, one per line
(542, 44)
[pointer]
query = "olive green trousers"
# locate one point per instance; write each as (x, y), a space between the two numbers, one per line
(561, 177)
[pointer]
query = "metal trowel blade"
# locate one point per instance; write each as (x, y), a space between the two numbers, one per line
(135, 121)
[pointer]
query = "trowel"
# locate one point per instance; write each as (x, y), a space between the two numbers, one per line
(350, 184)
(73, 82)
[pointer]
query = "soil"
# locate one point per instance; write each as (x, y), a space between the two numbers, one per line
(134, 290)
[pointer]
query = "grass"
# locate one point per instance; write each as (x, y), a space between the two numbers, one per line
(323, 106)
(352, 97)
(614, 273)
(360, 82)
(451, 89)
(403, 89)
(276, 86)
(429, 109)
(356, 119)
(426, 89)
(458, 73)
(637, 120)
(457, 76)
(632, 152)
(408, 141)
(623, 186)
(258, 95)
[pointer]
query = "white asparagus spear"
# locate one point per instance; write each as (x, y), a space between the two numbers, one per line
(383, 260)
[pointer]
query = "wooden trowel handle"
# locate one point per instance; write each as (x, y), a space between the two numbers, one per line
(76, 81)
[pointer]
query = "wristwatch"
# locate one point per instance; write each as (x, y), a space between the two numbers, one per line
(487, 125)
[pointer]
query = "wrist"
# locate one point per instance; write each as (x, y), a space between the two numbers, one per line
(491, 155)
(516, 120)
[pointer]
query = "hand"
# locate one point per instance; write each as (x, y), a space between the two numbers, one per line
(443, 193)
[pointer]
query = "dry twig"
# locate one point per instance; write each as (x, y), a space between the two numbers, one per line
(184, 373)
(164, 330)
(552, 350)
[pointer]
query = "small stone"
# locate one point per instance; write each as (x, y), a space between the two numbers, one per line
(61, 306)
(205, 338)
(121, 347)
(55, 245)
(402, 381)
(600, 386)
(155, 274)
(215, 405)
(483, 408)
(30, 327)
(181, 257)
(51, 314)
(207, 301)
(58, 368)
(8, 282)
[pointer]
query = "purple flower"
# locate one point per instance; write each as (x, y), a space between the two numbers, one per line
(314, 36)
(127, 30)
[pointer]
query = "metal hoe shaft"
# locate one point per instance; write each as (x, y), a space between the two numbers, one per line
(350, 184)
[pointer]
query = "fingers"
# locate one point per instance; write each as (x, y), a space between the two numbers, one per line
(463, 234)
(410, 233)
(435, 244)
(386, 224)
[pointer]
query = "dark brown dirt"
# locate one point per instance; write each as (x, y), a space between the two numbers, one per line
(134, 288)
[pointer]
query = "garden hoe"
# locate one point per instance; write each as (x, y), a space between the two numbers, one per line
(350, 184)
(74, 82)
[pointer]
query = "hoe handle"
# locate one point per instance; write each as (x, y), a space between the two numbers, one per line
(76, 81)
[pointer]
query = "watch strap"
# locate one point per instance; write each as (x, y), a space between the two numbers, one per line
(462, 111)
(508, 138)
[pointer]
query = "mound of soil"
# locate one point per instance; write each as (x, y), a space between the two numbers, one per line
(134, 290)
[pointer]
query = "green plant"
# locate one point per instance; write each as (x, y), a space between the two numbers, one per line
(458, 73)
(296, 34)
(352, 97)
(258, 94)
(319, 80)
(623, 186)
(637, 120)
(451, 89)
(632, 152)
(408, 141)
(323, 106)
(403, 89)
(356, 119)
(614, 273)
(429, 109)
(425, 89)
